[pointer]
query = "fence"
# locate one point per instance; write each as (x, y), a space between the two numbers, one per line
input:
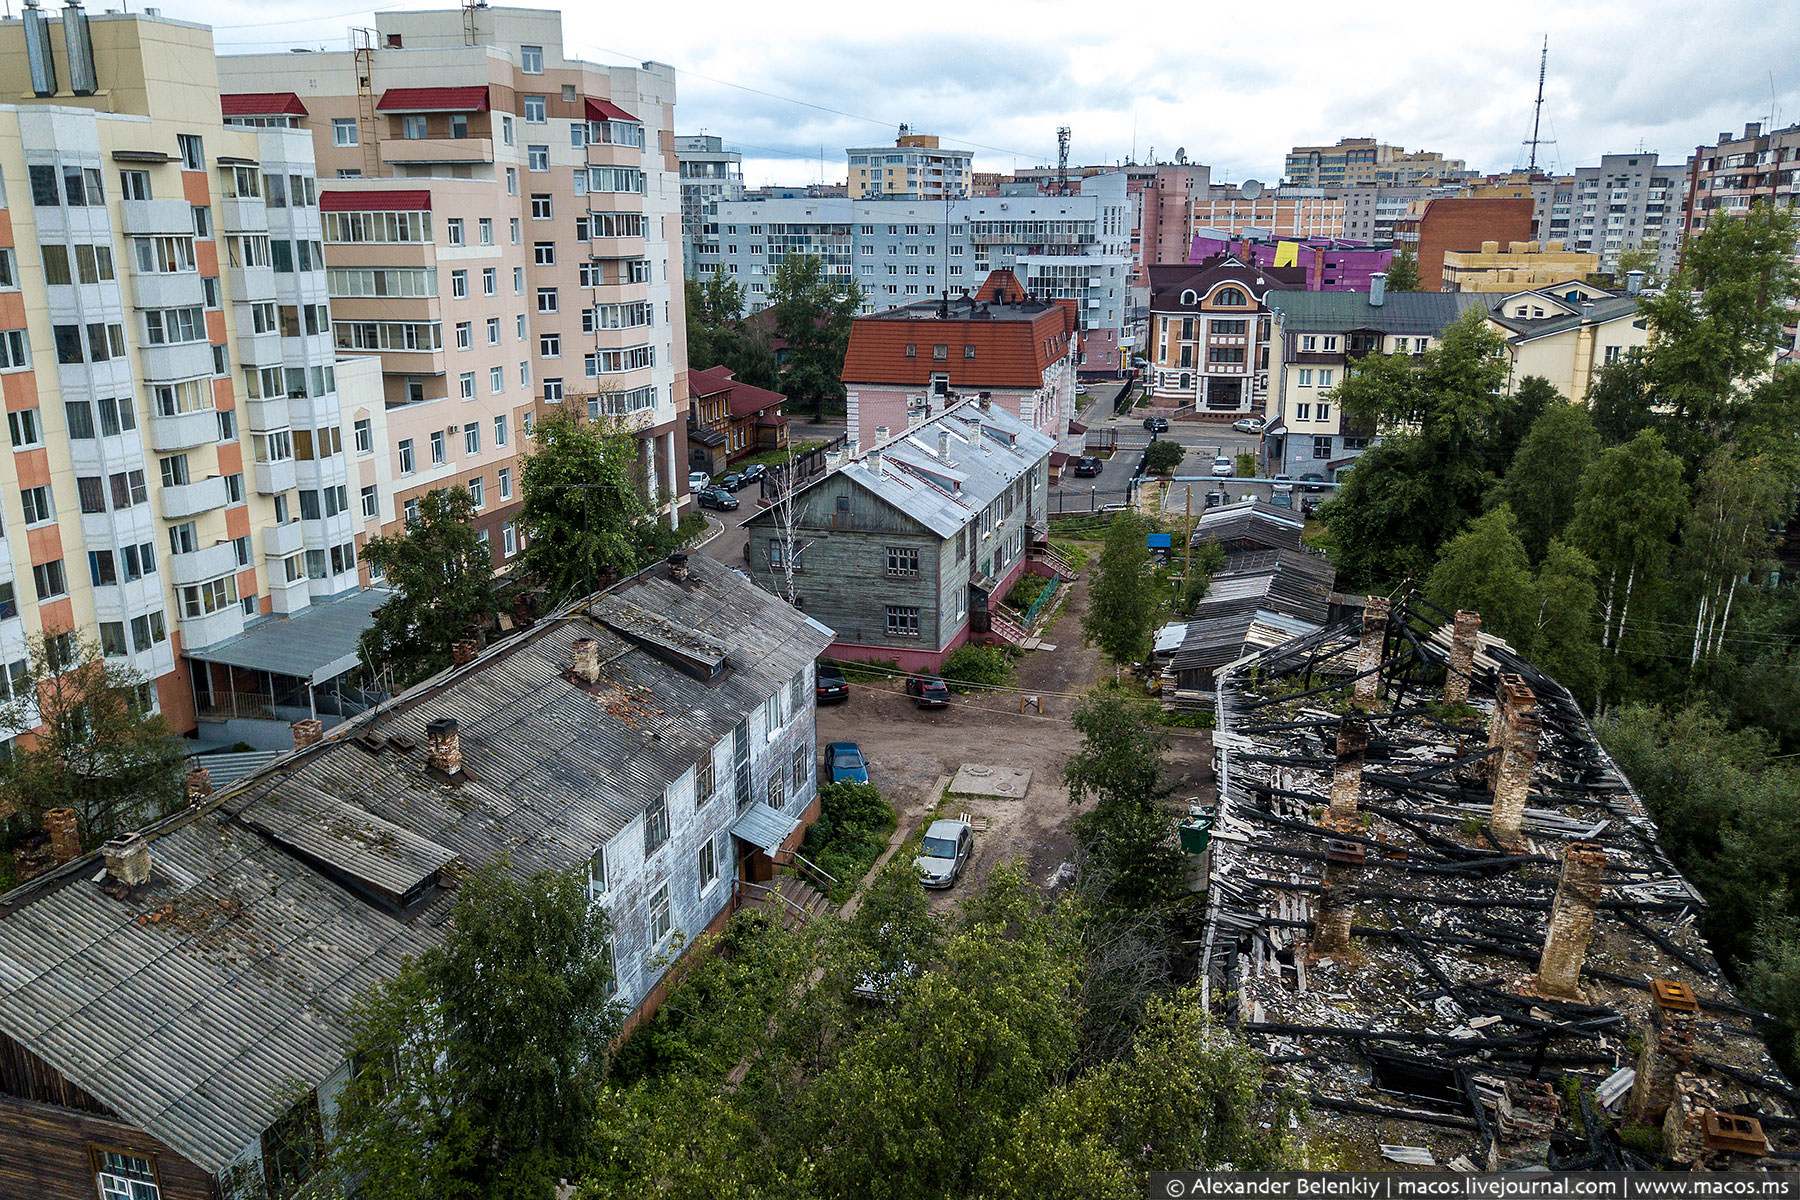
(1042, 602)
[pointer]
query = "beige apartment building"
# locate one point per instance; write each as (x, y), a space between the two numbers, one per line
(180, 421)
(498, 222)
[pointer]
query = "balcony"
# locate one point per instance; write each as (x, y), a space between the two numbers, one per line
(243, 214)
(265, 416)
(190, 499)
(259, 349)
(273, 478)
(218, 559)
(279, 541)
(169, 364)
(197, 633)
(252, 283)
(437, 150)
(184, 430)
(157, 216)
(288, 598)
(178, 289)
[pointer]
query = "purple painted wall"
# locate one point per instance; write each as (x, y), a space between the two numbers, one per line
(1331, 266)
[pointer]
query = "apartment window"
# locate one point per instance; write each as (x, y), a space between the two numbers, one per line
(138, 561)
(1324, 412)
(544, 253)
(1325, 376)
(547, 301)
(128, 488)
(509, 539)
(707, 865)
(50, 580)
(363, 435)
(485, 230)
(541, 208)
(465, 335)
(537, 158)
(550, 345)
(202, 221)
(656, 824)
(407, 463)
(902, 561)
(125, 1176)
(493, 330)
(25, 428)
(371, 504)
(659, 916)
(38, 508)
(1322, 447)
(506, 138)
(14, 351)
(534, 110)
(777, 788)
(211, 597)
(500, 421)
(477, 492)
(413, 128)
(193, 154)
(525, 376)
(453, 231)
(1302, 412)
(465, 385)
(531, 60)
(148, 630)
(343, 131)
(459, 285)
(1306, 377)
(518, 281)
(496, 380)
(227, 424)
(410, 511)
(133, 185)
(439, 449)
(472, 438)
(902, 621)
(802, 767)
(490, 282)
(506, 483)
(102, 569)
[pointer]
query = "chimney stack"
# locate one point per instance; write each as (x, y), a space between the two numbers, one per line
(308, 731)
(1368, 660)
(881, 433)
(1465, 636)
(678, 567)
(1335, 910)
(943, 445)
(128, 860)
(198, 784)
(1378, 289)
(1668, 1048)
(1634, 282)
(1571, 921)
(443, 745)
(65, 835)
(1346, 777)
(1515, 732)
(873, 459)
(587, 660)
(463, 651)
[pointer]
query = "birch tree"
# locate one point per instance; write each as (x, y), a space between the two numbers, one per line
(1726, 534)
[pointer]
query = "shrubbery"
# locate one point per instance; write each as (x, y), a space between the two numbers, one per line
(972, 666)
(850, 834)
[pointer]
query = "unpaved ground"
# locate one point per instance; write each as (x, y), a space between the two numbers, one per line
(908, 749)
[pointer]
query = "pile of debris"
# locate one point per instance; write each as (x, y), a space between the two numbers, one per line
(1437, 904)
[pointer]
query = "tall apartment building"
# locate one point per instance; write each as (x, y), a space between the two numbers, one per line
(180, 419)
(1735, 172)
(1365, 160)
(1628, 201)
(1549, 196)
(709, 173)
(500, 224)
(915, 167)
(1300, 212)
(903, 251)
(1372, 211)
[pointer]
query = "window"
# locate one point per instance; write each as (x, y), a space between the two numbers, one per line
(506, 138)
(541, 207)
(371, 504)
(597, 882)
(50, 580)
(437, 447)
(38, 508)
(125, 1177)
(778, 788)
(227, 419)
(1302, 412)
(500, 421)
(512, 223)
(496, 380)
(534, 110)
(25, 428)
(343, 131)
(509, 539)
(902, 561)
(183, 538)
(550, 345)
(531, 60)
(802, 768)
(407, 463)
(459, 285)
(472, 438)
(133, 185)
(656, 825)
(1324, 412)
(465, 385)
(902, 621)
(364, 436)
(490, 282)
(202, 221)
(478, 492)
(14, 352)
(518, 281)
(453, 231)
(708, 866)
(465, 335)
(148, 630)
(410, 511)
(537, 158)
(1322, 447)
(506, 483)
(413, 128)
(659, 916)
(493, 329)
(128, 488)
(1306, 377)
(102, 569)
(485, 230)
(1325, 375)
(547, 300)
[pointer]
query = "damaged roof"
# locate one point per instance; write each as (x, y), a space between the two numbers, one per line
(1377, 927)
(189, 1005)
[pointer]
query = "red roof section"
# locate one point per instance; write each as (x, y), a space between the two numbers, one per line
(1008, 353)
(434, 99)
(262, 104)
(606, 110)
(392, 200)
(998, 282)
(743, 400)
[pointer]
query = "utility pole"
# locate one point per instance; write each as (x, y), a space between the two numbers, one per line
(1187, 563)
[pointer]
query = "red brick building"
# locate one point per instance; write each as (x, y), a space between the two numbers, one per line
(729, 420)
(1454, 223)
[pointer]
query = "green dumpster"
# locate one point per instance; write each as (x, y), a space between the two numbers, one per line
(1196, 832)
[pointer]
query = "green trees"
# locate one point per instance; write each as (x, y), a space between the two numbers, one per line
(442, 579)
(813, 312)
(1162, 457)
(1484, 569)
(1403, 272)
(1736, 500)
(1134, 863)
(481, 1062)
(582, 511)
(99, 749)
(1541, 484)
(1121, 605)
(719, 336)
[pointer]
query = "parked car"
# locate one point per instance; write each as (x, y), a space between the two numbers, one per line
(1248, 424)
(944, 851)
(1223, 468)
(928, 690)
(1310, 506)
(719, 498)
(731, 482)
(1312, 481)
(698, 480)
(753, 473)
(829, 684)
(845, 764)
(1087, 466)
(1157, 424)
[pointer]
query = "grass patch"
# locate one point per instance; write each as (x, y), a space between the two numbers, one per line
(1200, 719)
(874, 671)
(1025, 591)
(769, 458)
(1077, 553)
(850, 834)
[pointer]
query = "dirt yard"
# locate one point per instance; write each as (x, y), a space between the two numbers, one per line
(909, 749)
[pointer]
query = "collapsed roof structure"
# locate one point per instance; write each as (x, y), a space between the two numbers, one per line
(1439, 906)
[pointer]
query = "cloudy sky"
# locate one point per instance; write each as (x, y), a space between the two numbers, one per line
(787, 82)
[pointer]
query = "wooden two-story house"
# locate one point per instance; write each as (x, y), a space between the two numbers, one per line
(729, 420)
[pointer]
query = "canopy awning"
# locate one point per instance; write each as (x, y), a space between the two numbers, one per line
(764, 827)
(606, 110)
(433, 99)
(315, 645)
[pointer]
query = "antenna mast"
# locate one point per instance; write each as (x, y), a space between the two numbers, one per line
(1062, 160)
(1537, 113)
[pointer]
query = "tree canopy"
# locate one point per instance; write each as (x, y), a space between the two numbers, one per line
(813, 312)
(1121, 606)
(1403, 272)
(584, 517)
(442, 578)
(719, 336)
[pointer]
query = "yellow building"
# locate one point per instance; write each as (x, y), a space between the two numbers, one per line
(1519, 267)
(1566, 334)
(915, 167)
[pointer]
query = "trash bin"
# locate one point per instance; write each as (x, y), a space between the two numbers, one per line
(1196, 831)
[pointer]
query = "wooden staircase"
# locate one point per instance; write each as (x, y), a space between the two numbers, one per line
(787, 898)
(1007, 630)
(1056, 562)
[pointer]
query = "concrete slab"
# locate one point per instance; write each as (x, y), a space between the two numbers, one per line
(980, 779)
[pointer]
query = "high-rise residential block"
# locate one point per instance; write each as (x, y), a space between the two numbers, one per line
(1365, 160)
(1300, 212)
(915, 167)
(709, 173)
(500, 223)
(1628, 202)
(1733, 173)
(180, 419)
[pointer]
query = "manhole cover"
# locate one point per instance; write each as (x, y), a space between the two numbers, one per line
(981, 772)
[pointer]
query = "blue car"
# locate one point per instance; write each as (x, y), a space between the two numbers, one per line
(844, 760)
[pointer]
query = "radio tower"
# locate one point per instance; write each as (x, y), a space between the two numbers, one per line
(1537, 113)
(1062, 160)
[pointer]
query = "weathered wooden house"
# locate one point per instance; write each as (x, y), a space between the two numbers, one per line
(906, 549)
(173, 1011)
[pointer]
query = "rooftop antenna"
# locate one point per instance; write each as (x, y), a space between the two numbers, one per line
(1537, 112)
(1062, 160)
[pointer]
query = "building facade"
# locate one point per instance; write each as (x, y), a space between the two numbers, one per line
(1365, 160)
(1329, 265)
(1291, 212)
(908, 547)
(1209, 336)
(1628, 202)
(915, 167)
(1520, 266)
(503, 240)
(1733, 173)
(1566, 334)
(179, 416)
(1434, 226)
(1374, 212)
(729, 420)
(709, 173)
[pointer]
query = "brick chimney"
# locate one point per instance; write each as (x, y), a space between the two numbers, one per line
(1515, 732)
(1368, 659)
(1668, 1048)
(65, 835)
(1335, 909)
(32, 854)
(198, 784)
(308, 732)
(463, 651)
(443, 745)
(678, 567)
(586, 668)
(1571, 922)
(1465, 636)
(1346, 777)
(128, 860)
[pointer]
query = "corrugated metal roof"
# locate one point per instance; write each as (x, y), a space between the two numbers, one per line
(764, 827)
(318, 643)
(434, 99)
(261, 104)
(606, 110)
(191, 1006)
(376, 200)
(1602, 311)
(1418, 313)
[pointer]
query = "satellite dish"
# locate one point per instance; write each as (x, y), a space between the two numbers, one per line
(1250, 189)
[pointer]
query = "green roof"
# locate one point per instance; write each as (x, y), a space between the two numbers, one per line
(1400, 313)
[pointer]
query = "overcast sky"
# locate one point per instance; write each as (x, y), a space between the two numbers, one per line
(789, 81)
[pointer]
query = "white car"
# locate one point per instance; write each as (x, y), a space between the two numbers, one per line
(944, 851)
(1248, 425)
(1223, 468)
(698, 480)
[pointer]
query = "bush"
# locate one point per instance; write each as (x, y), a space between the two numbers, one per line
(975, 666)
(1025, 592)
(850, 834)
(1163, 457)
(1245, 467)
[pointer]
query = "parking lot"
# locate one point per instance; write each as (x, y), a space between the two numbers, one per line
(910, 749)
